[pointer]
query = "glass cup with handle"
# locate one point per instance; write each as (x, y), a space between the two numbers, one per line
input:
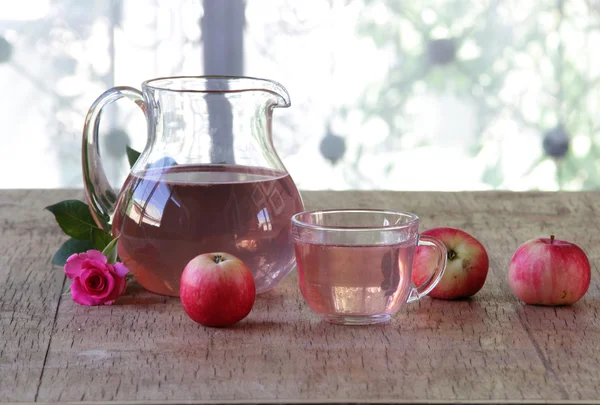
(354, 266)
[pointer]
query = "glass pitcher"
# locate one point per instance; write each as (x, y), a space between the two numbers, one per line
(208, 180)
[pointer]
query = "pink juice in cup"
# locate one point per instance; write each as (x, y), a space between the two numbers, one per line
(354, 280)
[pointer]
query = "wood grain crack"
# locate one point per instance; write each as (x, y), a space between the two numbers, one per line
(39, 384)
(544, 360)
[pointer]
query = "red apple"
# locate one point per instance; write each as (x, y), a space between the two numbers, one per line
(217, 289)
(466, 269)
(548, 271)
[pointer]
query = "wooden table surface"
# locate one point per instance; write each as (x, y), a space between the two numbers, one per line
(490, 348)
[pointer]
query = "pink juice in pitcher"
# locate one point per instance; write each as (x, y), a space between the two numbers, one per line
(354, 279)
(167, 216)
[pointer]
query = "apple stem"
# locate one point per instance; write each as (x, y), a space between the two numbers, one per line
(218, 259)
(451, 255)
(551, 239)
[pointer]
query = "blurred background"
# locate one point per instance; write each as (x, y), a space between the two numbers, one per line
(386, 94)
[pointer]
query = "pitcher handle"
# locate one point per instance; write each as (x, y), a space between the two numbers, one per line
(425, 288)
(100, 194)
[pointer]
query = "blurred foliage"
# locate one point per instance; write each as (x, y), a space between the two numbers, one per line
(531, 63)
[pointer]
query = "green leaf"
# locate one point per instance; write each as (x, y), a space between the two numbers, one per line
(100, 239)
(74, 218)
(70, 247)
(132, 156)
(110, 251)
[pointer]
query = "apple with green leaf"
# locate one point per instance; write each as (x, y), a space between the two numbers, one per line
(466, 268)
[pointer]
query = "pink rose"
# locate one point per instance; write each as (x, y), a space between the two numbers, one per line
(95, 281)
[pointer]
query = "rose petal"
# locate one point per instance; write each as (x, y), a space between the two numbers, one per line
(95, 283)
(95, 255)
(120, 286)
(109, 283)
(119, 289)
(120, 269)
(80, 296)
(94, 264)
(73, 266)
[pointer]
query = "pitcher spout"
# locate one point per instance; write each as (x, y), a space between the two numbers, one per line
(282, 98)
(277, 95)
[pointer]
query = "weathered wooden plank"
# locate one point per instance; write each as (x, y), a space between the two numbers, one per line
(489, 347)
(29, 289)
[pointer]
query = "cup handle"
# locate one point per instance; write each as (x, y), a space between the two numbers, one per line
(100, 194)
(425, 288)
